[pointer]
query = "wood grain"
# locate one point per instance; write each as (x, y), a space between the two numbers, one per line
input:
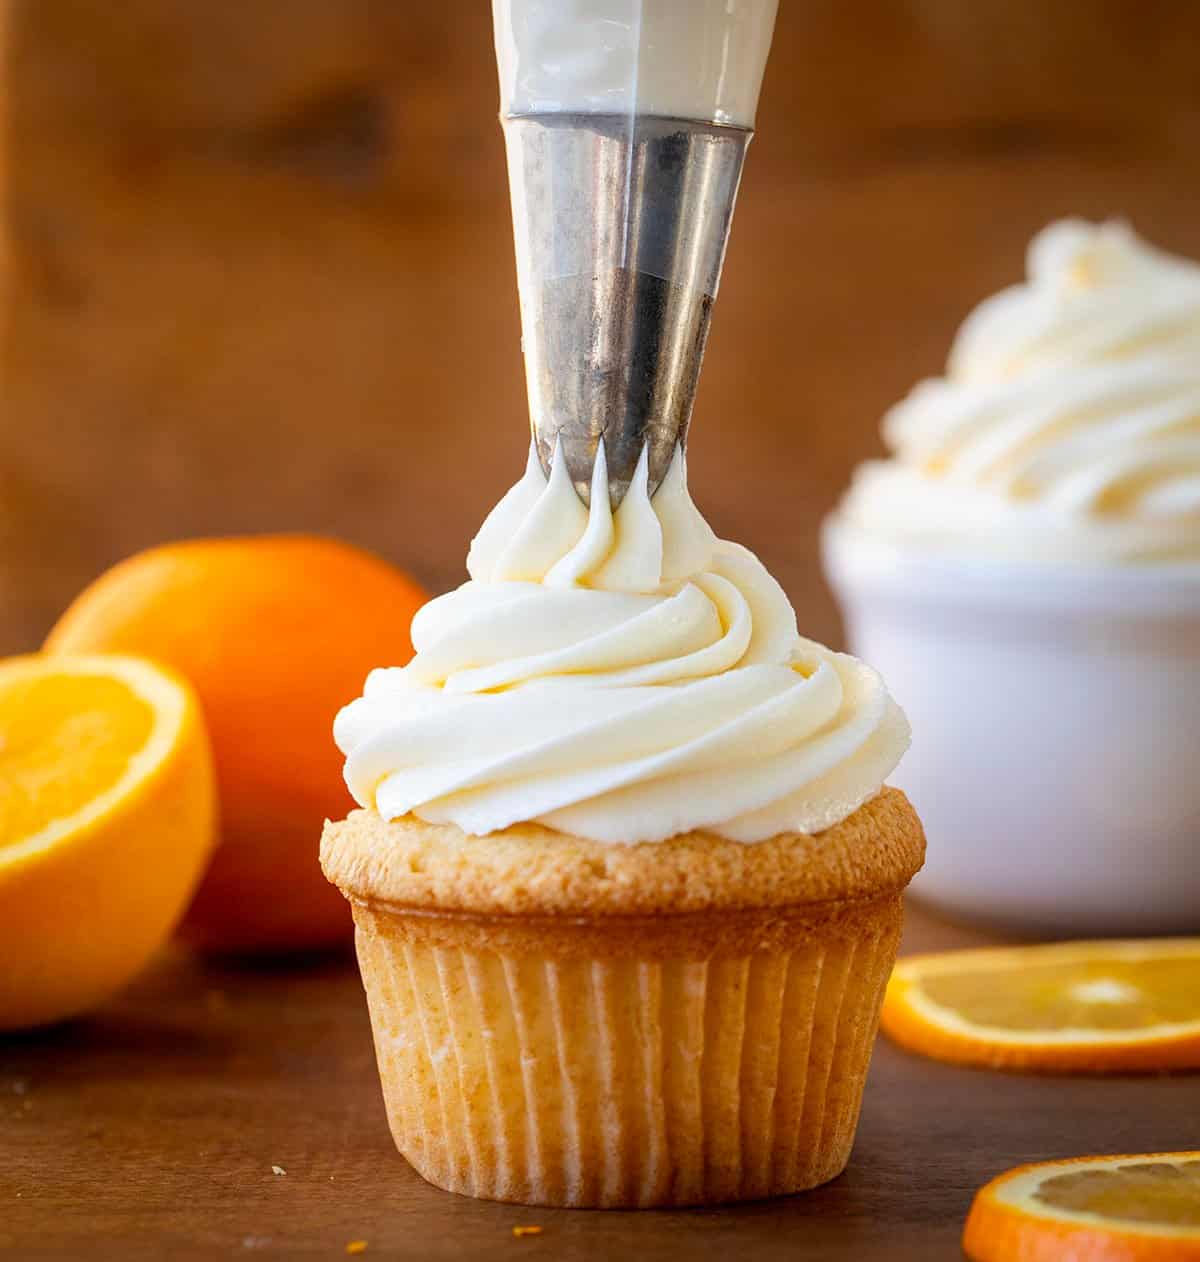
(260, 276)
(150, 1130)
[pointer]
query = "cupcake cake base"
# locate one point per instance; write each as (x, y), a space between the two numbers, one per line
(562, 1022)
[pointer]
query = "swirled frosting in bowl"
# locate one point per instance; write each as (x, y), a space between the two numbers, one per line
(624, 677)
(1067, 426)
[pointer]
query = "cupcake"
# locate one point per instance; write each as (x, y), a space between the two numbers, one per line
(626, 878)
(1025, 569)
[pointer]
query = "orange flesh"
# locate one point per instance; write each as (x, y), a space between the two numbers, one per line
(1107, 994)
(1159, 1193)
(64, 740)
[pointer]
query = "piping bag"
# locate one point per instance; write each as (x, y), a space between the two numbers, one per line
(626, 124)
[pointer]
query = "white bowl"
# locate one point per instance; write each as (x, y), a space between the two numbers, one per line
(1056, 731)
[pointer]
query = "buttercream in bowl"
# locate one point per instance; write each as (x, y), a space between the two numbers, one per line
(1025, 570)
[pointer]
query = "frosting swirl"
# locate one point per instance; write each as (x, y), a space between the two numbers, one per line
(620, 676)
(1067, 426)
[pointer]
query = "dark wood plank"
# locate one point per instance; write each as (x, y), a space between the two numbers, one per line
(150, 1130)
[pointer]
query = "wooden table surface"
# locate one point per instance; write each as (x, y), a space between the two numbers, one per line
(150, 1131)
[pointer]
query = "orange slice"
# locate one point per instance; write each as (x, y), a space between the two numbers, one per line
(1094, 1209)
(106, 823)
(1074, 1006)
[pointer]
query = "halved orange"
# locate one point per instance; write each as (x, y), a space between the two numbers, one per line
(1090, 1209)
(107, 809)
(275, 634)
(1072, 1006)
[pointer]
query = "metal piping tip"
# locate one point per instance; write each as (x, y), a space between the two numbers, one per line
(621, 224)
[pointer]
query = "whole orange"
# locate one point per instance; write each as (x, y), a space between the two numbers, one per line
(275, 634)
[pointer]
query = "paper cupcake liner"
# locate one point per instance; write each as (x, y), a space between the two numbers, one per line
(553, 1078)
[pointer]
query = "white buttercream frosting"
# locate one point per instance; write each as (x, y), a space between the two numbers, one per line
(622, 677)
(700, 59)
(1067, 426)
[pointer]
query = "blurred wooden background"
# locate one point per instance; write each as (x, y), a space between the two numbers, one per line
(258, 268)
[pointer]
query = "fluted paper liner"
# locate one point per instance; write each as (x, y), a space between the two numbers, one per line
(519, 1071)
